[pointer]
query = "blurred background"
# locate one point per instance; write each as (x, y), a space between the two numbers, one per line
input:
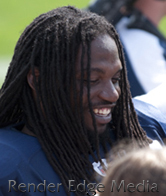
(15, 15)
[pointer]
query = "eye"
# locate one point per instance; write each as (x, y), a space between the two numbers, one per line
(115, 80)
(92, 81)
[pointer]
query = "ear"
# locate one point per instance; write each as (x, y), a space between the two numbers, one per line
(30, 78)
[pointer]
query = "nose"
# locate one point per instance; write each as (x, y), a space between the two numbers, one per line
(110, 92)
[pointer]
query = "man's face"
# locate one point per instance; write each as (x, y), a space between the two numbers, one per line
(104, 82)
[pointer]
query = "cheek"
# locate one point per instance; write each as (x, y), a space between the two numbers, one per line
(93, 95)
(85, 97)
(118, 89)
(82, 96)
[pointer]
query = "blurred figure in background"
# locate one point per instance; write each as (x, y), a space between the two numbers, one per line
(141, 172)
(145, 47)
(156, 97)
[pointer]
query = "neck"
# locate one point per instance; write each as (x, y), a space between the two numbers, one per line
(154, 10)
(27, 131)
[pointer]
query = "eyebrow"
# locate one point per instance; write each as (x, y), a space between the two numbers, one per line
(100, 70)
(96, 70)
(119, 70)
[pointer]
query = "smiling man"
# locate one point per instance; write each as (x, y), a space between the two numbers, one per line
(64, 103)
(105, 73)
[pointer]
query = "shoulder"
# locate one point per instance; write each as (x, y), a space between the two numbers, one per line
(151, 120)
(128, 37)
(131, 33)
(156, 97)
(22, 160)
(14, 140)
(16, 148)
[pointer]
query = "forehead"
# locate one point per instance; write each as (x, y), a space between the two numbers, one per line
(104, 44)
(103, 48)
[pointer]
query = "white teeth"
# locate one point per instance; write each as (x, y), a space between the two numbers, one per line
(102, 112)
(95, 111)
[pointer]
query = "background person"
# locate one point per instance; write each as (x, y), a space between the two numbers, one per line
(143, 170)
(145, 47)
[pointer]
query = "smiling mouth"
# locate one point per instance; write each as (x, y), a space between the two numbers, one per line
(102, 112)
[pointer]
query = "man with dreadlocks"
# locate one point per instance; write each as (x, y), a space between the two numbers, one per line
(64, 102)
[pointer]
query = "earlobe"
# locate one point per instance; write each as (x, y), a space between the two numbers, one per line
(30, 78)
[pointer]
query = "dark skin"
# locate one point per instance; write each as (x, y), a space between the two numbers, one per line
(104, 80)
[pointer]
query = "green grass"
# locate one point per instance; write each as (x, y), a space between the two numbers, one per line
(162, 26)
(15, 15)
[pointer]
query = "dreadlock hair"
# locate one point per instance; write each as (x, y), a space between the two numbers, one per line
(50, 44)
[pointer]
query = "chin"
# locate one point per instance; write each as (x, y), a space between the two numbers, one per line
(100, 128)
(103, 135)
